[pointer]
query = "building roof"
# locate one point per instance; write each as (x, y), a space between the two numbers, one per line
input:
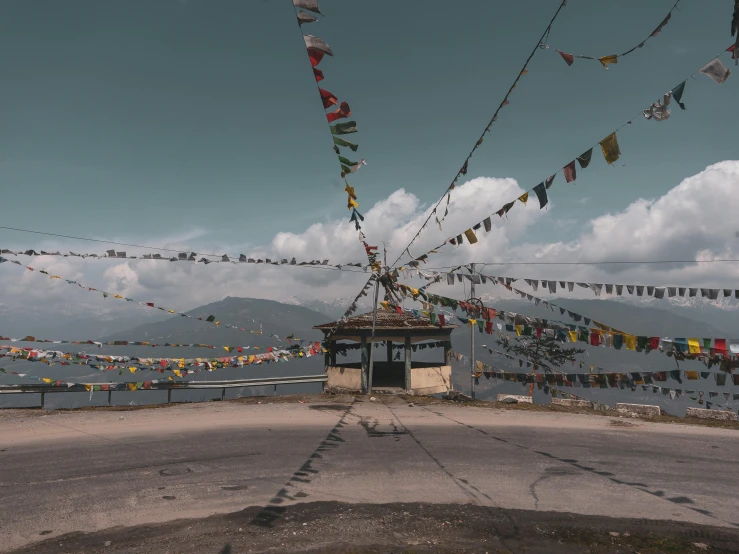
(387, 320)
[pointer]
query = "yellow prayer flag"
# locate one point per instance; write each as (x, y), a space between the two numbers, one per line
(605, 60)
(472, 322)
(132, 369)
(573, 336)
(131, 386)
(470, 234)
(88, 388)
(524, 198)
(351, 203)
(694, 346)
(181, 363)
(171, 311)
(117, 296)
(609, 145)
(630, 342)
(227, 348)
(692, 375)
(519, 330)
(177, 372)
(349, 190)
(46, 380)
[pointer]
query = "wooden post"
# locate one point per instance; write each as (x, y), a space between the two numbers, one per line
(43, 397)
(365, 362)
(333, 353)
(389, 353)
(110, 393)
(408, 363)
(223, 394)
(169, 396)
(372, 342)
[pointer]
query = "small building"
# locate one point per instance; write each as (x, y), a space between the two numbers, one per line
(389, 372)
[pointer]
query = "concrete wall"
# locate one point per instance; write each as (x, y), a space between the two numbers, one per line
(424, 380)
(431, 380)
(572, 402)
(722, 415)
(349, 378)
(520, 398)
(641, 409)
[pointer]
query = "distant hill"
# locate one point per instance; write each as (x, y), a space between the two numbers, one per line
(71, 322)
(638, 320)
(274, 317)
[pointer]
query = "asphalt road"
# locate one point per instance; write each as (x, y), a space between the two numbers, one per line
(85, 471)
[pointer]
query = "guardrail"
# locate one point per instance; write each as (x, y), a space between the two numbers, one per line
(168, 386)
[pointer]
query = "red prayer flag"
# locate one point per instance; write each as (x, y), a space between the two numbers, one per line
(442, 320)
(318, 74)
(399, 310)
(328, 98)
(720, 346)
(654, 343)
(150, 304)
(315, 56)
(570, 171)
(595, 338)
(569, 58)
(342, 111)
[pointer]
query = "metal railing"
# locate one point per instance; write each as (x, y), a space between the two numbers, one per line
(43, 389)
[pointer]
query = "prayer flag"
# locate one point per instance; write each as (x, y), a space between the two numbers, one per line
(328, 98)
(569, 58)
(677, 94)
(611, 151)
(470, 234)
(341, 142)
(584, 159)
(541, 194)
(315, 56)
(305, 18)
(570, 172)
(310, 5)
(659, 27)
(605, 60)
(344, 128)
(716, 70)
(315, 43)
(341, 112)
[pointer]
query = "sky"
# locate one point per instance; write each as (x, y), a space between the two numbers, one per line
(194, 124)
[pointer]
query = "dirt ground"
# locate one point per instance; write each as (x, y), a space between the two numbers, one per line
(419, 400)
(332, 527)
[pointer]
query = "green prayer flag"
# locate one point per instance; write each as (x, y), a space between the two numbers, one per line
(344, 128)
(584, 159)
(341, 142)
(211, 318)
(346, 162)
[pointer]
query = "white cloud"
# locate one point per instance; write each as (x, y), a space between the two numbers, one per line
(692, 221)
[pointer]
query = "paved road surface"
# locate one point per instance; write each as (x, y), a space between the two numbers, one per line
(84, 471)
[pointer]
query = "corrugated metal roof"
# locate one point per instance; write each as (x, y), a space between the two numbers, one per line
(387, 320)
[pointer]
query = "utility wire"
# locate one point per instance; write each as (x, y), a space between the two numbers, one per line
(487, 128)
(624, 124)
(161, 248)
